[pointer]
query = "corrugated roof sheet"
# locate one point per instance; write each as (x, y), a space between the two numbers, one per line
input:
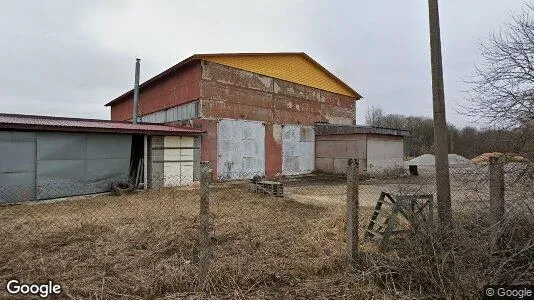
(327, 129)
(32, 122)
(293, 67)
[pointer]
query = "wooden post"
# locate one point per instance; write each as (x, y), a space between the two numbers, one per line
(496, 173)
(204, 235)
(352, 210)
(443, 189)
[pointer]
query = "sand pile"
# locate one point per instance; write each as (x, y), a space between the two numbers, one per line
(430, 160)
(455, 159)
(423, 160)
(509, 157)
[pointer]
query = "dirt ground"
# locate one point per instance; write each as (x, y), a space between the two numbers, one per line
(469, 187)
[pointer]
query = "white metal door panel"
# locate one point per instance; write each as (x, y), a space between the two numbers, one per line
(298, 149)
(241, 149)
(307, 157)
(186, 156)
(178, 160)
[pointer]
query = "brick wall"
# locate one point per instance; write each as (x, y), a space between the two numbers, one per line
(232, 93)
(227, 92)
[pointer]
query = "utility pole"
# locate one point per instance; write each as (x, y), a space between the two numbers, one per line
(452, 144)
(443, 185)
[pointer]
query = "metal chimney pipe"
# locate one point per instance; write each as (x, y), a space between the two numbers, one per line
(136, 91)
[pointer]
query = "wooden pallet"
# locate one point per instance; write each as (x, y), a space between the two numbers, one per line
(412, 209)
(271, 188)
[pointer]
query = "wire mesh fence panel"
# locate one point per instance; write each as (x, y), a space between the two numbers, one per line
(271, 237)
(139, 244)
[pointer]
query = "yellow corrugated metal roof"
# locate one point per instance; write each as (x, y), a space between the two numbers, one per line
(294, 67)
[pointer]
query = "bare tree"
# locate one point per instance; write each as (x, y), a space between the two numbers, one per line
(503, 85)
(374, 116)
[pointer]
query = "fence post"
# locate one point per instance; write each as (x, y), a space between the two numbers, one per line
(496, 174)
(204, 235)
(352, 210)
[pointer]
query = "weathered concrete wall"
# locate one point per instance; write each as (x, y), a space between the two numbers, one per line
(332, 152)
(376, 152)
(384, 152)
(227, 92)
(175, 89)
(155, 162)
(236, 94)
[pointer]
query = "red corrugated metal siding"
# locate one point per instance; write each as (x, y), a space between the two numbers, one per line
(175, 89)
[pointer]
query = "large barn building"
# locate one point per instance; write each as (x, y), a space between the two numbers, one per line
(258, 110)
(269, 114)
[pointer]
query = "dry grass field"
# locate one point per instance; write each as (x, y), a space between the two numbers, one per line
(145, 246)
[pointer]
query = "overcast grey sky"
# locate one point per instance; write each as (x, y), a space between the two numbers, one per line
(68, 58)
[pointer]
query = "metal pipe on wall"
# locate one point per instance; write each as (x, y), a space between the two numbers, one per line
(136, 91)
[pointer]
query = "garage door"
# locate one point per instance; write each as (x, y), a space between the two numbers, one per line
(298, 149)
(384, 153)
(241, 149)
(17, 166)
(178, 160)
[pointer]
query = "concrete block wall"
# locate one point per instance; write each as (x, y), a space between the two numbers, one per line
(155, 162)
(332, 152)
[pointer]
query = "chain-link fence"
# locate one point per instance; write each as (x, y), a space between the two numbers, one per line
(277, 238)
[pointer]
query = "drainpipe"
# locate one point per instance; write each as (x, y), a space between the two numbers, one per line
(136, 91)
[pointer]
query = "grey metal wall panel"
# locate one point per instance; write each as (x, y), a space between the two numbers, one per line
(17, 136)
(104, 169)
(17, 156)
(16, 187)
(58, 170)
(182, 112)
(108, 146)
(60, 146)
(47, 165)
(70, 164)
(17, 166)
(156, 117)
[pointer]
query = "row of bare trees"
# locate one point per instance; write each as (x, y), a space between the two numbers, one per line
(467, 141)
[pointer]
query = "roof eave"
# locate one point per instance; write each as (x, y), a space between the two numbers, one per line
(32, 127)
(356, 94)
